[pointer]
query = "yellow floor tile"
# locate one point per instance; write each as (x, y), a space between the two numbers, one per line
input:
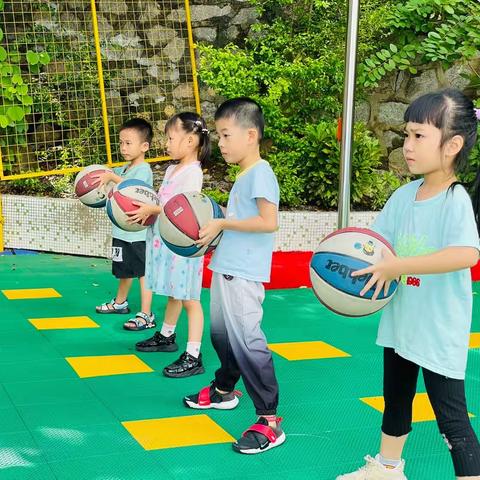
(474, 340)
(107, 365)
(61, 323)
(29, 293)
(306, 350)
(177, 432)
(422, 409)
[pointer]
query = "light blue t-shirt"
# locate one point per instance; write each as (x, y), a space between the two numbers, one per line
(244, 254)
(143, 172)
(428, 321)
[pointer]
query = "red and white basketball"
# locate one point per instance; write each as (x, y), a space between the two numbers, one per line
(87, 189)
(120, 201)
(181, 220)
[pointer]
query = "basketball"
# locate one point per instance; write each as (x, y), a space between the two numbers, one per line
(120, 201)
(181, 220)
(86, 186)
(339, 255)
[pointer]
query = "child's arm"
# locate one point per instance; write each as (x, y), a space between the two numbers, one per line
(143, 212)
(108, 177)
(265, 222)
(445, 260)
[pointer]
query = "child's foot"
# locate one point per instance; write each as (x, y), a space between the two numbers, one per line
(210, 397)
(186, 366)
(141, 321)
(113, 307)
(158, 343)
(260, 437)
(374, 470)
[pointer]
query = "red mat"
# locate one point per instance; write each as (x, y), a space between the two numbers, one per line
(291, 270)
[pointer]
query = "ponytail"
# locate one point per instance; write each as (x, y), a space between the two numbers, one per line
(191, 122)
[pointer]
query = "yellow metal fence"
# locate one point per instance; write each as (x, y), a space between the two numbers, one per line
(82, 68)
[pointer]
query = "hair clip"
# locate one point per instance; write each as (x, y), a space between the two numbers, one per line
(197, 123)
(477, 113)
(205, 131)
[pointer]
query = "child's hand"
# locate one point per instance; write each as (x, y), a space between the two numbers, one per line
(142, 214)
(210, 231)
(104, 178)
(382, 273)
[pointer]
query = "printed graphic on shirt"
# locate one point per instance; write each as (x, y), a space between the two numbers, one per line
(410, 246)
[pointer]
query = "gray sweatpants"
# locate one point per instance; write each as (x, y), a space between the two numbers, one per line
(235, 315)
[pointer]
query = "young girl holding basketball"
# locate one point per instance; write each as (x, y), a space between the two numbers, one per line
(431, 225)
(179, 278)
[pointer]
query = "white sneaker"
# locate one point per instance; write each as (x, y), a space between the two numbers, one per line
(374, 470)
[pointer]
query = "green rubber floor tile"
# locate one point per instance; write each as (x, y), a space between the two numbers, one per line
(10, 421)
(20, 458)
(206, 462)
(5, 401)
(60, 444)
(126, 408)
(438, 467)
(96, 347)
(68, 415)
(130, 466)
(28, 472)
(48, 392)
(24, 352)
(37, 370)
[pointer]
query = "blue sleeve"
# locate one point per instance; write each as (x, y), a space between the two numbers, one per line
(145, 174)
(265, 185)
(461, 230)
(384, 224)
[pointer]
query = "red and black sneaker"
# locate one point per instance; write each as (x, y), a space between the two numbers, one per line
(260, 437)
(210, 397)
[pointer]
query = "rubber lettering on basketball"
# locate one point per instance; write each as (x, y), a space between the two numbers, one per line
(336, 269)
(345, 271)
(147, 193)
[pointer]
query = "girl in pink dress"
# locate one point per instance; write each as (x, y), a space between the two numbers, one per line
(179, 278)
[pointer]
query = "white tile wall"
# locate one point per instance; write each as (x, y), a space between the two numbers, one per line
(66, 226)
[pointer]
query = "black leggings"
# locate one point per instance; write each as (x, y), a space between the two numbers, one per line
(447, 396)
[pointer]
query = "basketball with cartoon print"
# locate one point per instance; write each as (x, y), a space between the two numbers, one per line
(339, 255)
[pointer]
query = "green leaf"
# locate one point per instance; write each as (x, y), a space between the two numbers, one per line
(32, 57)
(17, 79)
(449, 9)
(44, 58)
(27, 100)
(393, 48)
(3, 54)
(14, 57)
(4, 121)
(15, 113)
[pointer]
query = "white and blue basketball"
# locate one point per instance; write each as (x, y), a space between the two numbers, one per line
(87, 189)
(181, 220)
(337, 257)
(120, 201)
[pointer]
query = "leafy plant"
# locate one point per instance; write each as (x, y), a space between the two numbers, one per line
(423, 31)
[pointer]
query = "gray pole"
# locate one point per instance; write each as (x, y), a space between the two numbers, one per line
(348, 114)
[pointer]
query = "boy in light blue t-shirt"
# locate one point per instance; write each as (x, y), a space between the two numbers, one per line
(128, 248)
(240, 264)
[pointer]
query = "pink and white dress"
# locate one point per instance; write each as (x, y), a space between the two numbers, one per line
(165, 272)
